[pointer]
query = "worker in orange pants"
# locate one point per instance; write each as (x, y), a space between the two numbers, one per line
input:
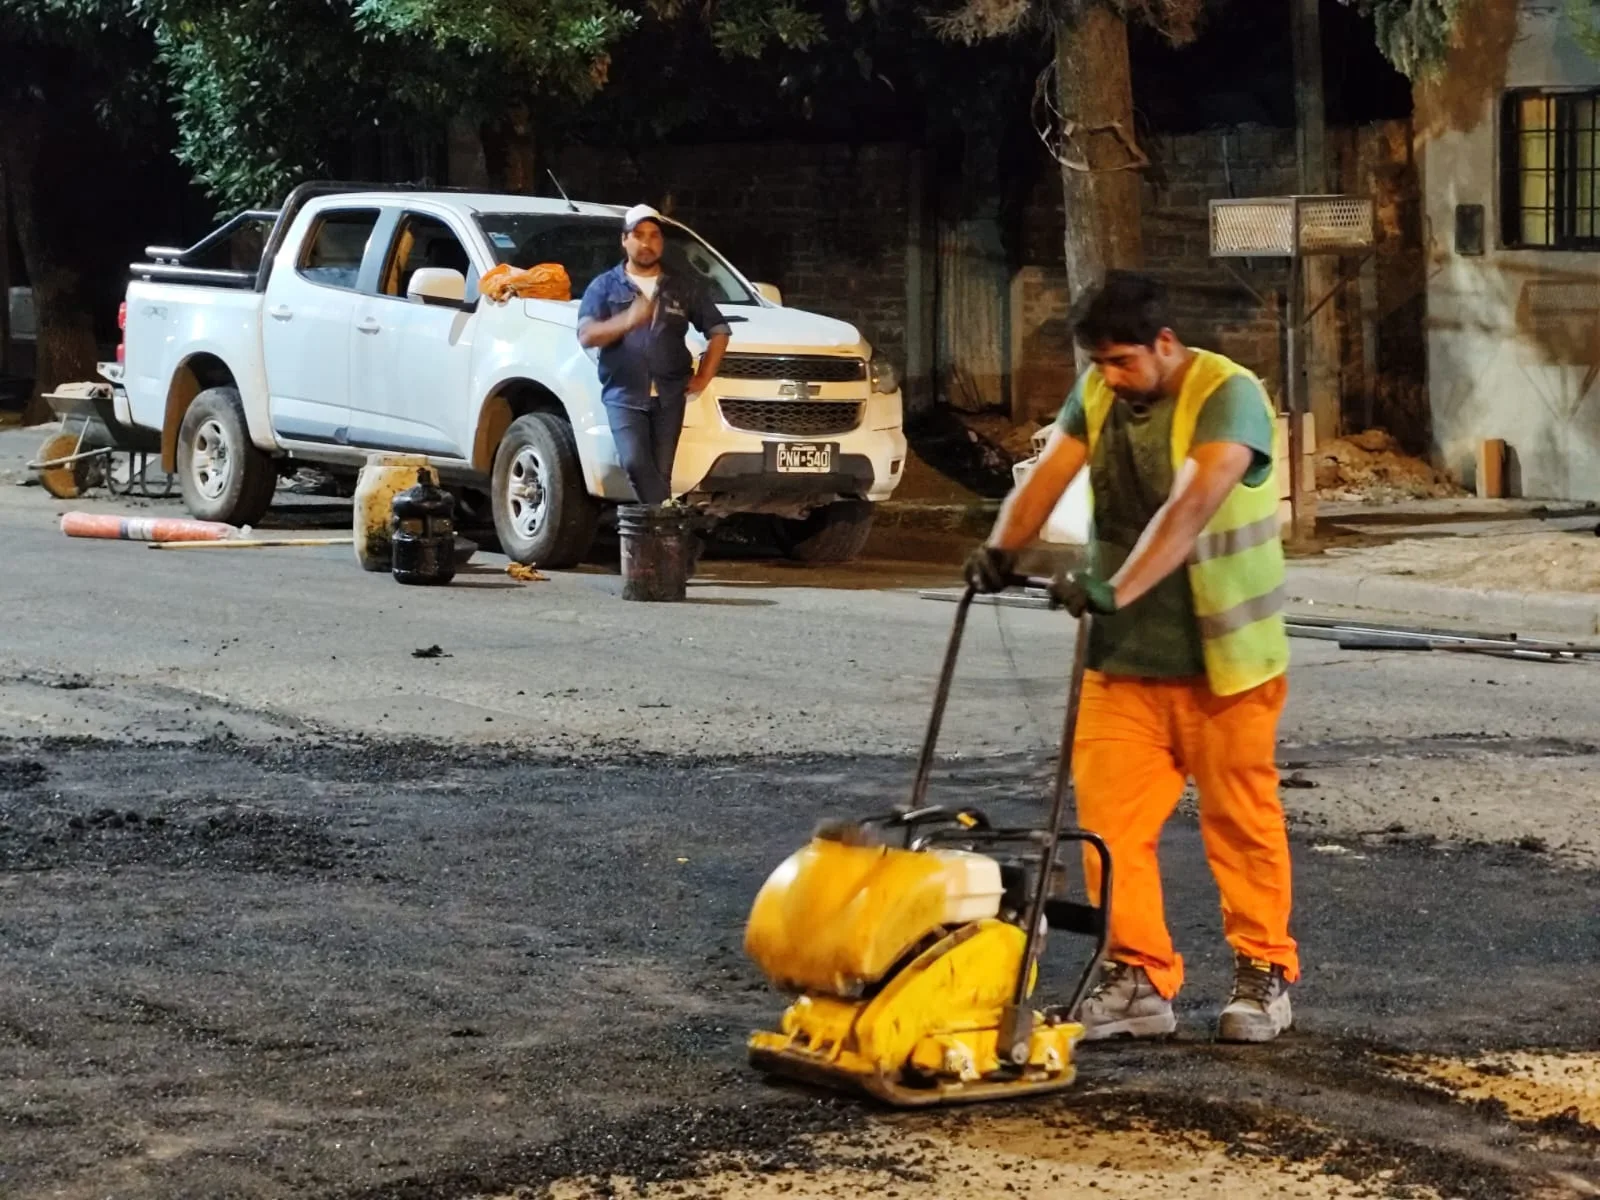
(1188, 652)
(1137, 740)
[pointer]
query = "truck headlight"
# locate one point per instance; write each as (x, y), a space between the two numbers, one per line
(882, 374)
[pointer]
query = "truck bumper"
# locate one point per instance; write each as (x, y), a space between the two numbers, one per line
(866, 463)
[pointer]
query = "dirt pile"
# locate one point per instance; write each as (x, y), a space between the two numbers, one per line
(1371, 466)
(953, 447)
(923, 484)
(1015, 440)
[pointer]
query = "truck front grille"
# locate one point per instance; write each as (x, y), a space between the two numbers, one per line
(811, 418)
(793, 368)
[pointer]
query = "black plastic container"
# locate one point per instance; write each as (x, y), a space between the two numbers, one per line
(424, 536)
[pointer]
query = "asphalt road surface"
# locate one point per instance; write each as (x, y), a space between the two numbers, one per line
(290, 912)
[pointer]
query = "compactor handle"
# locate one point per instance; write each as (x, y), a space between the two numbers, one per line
(947, 674)
(1036, 583)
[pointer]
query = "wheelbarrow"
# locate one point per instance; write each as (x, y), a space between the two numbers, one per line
(96, 446)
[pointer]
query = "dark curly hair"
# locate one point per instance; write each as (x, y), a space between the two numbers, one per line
(1129, 308)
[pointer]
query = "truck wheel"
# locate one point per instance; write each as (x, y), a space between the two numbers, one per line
(223, 476)
(834, 533)
(543, 513)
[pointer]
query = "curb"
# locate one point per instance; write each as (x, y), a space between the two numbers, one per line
(970, 520)
(1516, 612)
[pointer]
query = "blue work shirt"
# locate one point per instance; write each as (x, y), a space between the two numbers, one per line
(656, 353)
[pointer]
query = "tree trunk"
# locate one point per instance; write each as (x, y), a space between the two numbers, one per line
(1319, 370)
(508, 146)
(1095, 93)
(467, 164)
(40, 188)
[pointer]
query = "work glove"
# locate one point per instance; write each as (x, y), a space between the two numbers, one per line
(1082, 592)
(989, 568)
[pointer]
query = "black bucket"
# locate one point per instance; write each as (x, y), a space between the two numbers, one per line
(655, 551)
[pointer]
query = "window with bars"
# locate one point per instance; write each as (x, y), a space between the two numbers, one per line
(1550, 170)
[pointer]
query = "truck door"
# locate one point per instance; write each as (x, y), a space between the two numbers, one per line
(306, 326)
(411, 362)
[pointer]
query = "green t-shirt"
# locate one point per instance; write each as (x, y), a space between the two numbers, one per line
(1156, 637)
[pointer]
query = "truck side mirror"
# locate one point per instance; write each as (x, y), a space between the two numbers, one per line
(770, 293)
(437, 285)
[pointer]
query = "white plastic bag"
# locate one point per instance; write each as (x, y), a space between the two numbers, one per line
(1068, 523)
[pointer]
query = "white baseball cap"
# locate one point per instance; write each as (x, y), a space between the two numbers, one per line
(638, 213)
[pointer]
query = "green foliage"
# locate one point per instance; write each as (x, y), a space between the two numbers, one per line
(1584, 17)
(856, 68)
(745, 27)
(265, 89)
(100, 39)
(1414, 35)
(262, 91)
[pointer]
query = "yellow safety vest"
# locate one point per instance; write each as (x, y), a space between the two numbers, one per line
(1236, 569)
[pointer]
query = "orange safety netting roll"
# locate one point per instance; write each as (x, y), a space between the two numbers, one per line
(143, 529)
(547, 281)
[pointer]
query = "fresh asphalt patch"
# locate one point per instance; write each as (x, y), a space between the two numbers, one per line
(396, 970)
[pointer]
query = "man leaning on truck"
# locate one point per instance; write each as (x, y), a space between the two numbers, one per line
(636, 315)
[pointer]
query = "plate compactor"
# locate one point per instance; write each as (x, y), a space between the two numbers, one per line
(913, 941)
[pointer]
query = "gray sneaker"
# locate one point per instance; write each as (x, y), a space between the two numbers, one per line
(1125, 1004)
(1259, 1010)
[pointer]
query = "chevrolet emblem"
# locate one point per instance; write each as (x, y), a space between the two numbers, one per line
(794, 389)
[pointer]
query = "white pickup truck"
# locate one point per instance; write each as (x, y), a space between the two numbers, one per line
(357, 327)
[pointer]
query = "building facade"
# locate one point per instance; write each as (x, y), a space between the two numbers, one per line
(1508, 143)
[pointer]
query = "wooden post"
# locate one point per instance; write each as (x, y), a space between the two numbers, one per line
(1321, 351)
(919, 380)
(1294, 391)
(5, 276)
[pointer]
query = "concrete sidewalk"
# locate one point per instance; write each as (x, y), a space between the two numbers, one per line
(1503, 566)
(1575, 614)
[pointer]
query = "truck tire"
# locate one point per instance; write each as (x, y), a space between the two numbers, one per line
(543, 513)
(223, 475)
(834, 533)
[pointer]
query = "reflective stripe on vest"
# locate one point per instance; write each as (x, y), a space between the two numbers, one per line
(1236, 571)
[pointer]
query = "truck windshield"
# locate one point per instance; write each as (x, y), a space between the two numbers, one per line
(589, 246)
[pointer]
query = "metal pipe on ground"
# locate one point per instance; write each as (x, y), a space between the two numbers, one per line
(1358, 635)
(1362, 635)
(254, 543)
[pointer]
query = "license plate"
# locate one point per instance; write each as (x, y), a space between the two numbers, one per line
(803, 458)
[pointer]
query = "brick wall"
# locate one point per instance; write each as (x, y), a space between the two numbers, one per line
(1210, 308)
(1379, 356)
(826, 224)
(833, 226)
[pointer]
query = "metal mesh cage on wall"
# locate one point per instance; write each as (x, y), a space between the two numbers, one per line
(1284, 226)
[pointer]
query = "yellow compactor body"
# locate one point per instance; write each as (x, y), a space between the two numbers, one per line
(905, 971)
(914, 963)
